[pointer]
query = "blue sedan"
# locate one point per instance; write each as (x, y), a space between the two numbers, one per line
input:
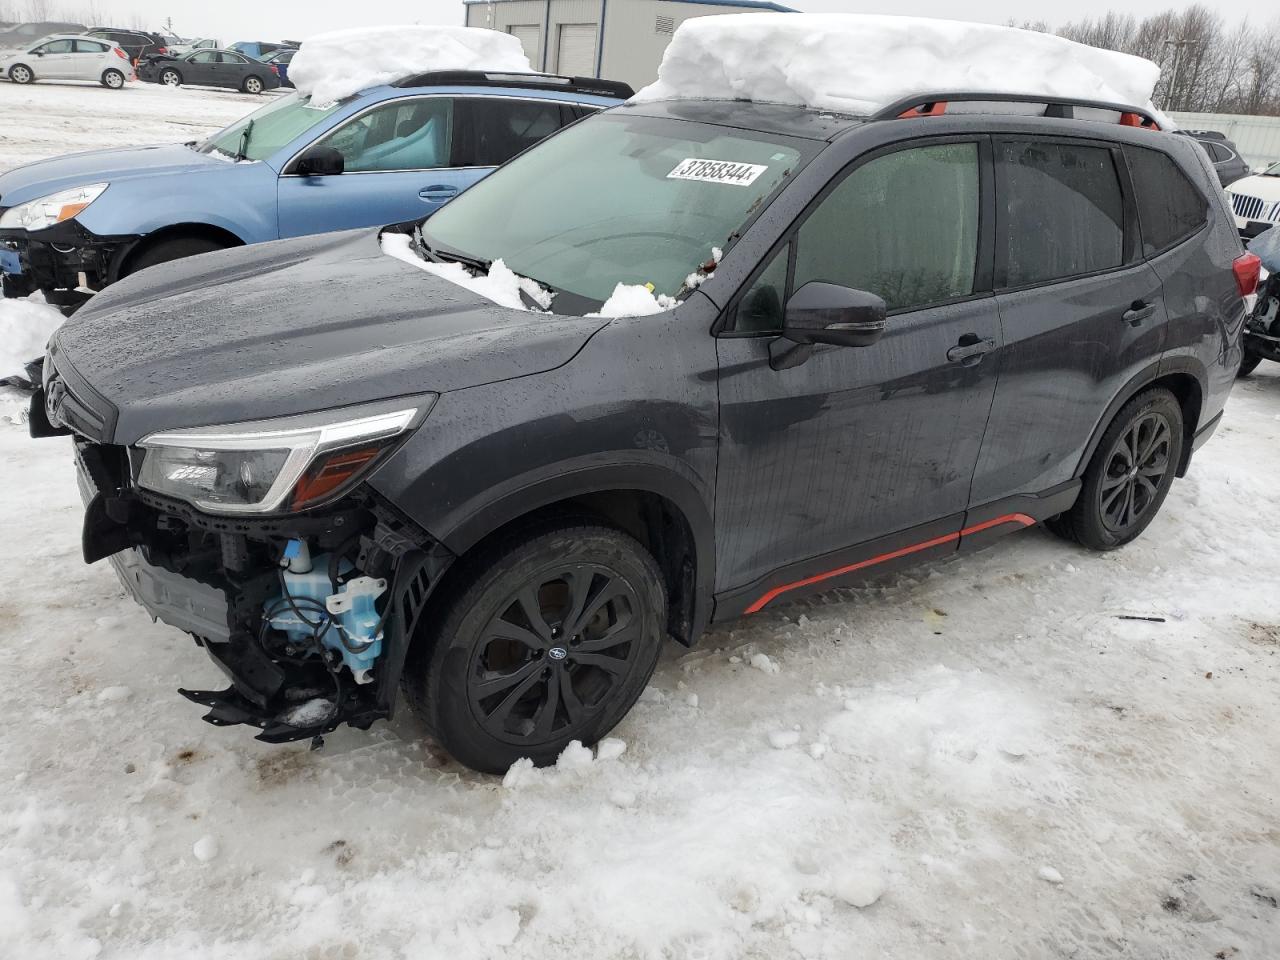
(386, 155)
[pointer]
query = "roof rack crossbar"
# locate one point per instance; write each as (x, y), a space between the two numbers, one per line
(504, 78)
(1060, 107)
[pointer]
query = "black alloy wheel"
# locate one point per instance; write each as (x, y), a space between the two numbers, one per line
(1129, 475)
(547, 638)
(1135, 472)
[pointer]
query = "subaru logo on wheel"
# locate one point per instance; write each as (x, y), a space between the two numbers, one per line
(557, 653)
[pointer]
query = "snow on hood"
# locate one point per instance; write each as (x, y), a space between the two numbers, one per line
(332, 66)
(858, 63)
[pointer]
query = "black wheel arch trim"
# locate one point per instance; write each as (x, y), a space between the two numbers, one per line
(1148, 375)
(573, 482)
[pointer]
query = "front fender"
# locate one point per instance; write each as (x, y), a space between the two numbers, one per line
(239, 198)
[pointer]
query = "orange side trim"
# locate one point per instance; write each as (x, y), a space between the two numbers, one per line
(935, 109)
(1019, 518)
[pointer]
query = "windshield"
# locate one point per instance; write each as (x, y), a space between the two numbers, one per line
(1272, 171)
(270, 128)
(618, 199)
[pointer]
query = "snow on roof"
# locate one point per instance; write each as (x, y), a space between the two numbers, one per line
(857, 63)
(332, 66)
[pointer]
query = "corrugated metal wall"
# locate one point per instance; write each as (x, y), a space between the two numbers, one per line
(1258, 138)
(635, 34)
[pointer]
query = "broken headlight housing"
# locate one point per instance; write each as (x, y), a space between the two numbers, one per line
(276, 466)
(46, 211)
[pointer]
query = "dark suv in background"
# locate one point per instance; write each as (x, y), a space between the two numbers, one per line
(1223, 154)
(868, 341)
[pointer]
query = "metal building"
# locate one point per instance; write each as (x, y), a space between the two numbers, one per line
(618, 39)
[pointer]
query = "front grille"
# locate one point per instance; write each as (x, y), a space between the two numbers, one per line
(1255, 208)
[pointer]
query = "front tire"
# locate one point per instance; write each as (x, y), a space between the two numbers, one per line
(1248, 364)
(549, 638)
(167, 250)
(21, 73)
(1129, 476)
(112, 79)
(252, 85)
(171, 78)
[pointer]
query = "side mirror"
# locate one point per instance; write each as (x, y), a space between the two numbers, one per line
(321, 162)
(826, 313)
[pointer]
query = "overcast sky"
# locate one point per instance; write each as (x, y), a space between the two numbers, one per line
(231, 20)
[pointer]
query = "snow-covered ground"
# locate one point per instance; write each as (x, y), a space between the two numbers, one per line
(979, 759)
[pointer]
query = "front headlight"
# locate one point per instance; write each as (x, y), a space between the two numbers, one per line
(55, 208)
(276, 466)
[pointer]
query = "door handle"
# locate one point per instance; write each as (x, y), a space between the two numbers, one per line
(1138, 312)
(438, 191)
(970, 349)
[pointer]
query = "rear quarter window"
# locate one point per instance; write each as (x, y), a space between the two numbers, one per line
(1170, 208)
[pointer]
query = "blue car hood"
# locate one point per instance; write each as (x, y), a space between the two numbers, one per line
(44, 177)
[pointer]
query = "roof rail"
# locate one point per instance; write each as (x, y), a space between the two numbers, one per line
(935, 104)
(539, 81)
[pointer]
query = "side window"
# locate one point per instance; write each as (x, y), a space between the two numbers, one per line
(90, 46)
(231, 58)
(761, 307)
(57, 46)
(204, 57)
(1061, 209)
(403, 135)
(493, 130)
(903, 226)
(1169, 207)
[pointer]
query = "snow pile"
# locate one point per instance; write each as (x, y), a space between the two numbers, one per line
(500, 285)
(332, 66)
(634, 300)
(25, 327)
(858, 63)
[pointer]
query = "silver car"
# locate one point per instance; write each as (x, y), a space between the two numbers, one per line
(69, 58)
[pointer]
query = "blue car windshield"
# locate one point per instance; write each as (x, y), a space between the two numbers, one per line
(274, 126)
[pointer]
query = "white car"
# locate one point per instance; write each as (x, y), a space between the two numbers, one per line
(1255, 201)
(69, 58)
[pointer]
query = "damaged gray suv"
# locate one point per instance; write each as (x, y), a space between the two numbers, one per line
(680, 363)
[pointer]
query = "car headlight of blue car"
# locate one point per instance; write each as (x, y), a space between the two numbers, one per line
(55, 208)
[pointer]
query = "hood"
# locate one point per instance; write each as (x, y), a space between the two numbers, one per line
(292, 327)
(44, 177)
(1264, 188)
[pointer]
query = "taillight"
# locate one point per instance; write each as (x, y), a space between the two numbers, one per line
(120, 53)
(162, 49)
(274, 69)
(1246, 267)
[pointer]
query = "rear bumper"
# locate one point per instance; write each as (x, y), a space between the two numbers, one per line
(61, 258)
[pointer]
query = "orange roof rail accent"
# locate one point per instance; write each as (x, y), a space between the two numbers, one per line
(935, 109)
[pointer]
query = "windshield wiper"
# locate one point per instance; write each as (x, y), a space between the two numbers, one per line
(450, 256)
(244, 141)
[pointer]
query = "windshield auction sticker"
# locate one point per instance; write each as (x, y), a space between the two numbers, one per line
(717, 171)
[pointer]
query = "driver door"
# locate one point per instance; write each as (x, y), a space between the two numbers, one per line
(55, 61)
(859, 453)
(199, 68)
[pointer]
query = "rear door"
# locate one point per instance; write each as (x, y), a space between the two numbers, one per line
(1081, 312)
(90, 59)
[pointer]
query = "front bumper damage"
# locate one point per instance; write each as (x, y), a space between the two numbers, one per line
(213, 577)
(60, 261)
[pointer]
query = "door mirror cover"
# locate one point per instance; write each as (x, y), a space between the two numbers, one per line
(321, 162)
(829, 313)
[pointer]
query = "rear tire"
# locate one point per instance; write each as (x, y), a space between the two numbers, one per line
(1249, 363)
(168, 250)
(21, 73)
(171, 78)
(549, 637)
(113, 79)
(1129, 476)
(252, 85)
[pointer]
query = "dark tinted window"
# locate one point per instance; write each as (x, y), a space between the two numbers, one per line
(1169, 207)
(490, 131)
(903, 226)
(1062, 211)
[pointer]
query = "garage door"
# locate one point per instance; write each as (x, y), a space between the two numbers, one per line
(528, 34)
(577, 50)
